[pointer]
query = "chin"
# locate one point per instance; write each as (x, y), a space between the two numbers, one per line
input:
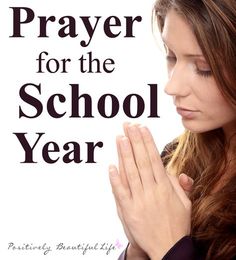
(197, 127)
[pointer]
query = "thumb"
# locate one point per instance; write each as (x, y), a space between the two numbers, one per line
(186, 182)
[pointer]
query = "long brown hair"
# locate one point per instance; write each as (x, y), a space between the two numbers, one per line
(203, 156)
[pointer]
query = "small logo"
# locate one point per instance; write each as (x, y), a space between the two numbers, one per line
(118, 244)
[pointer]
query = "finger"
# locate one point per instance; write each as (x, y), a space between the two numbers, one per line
(179, 191)
(130, 168)
(125, 226)
(119, 211)
(121, 165)
(123, 222)
(186, 182)
(141, 157)
(154, 156)
(126, 125)
(121, 194)
(120, 215)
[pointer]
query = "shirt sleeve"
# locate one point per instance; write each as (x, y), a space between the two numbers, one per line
(183, 250)
(123, 254)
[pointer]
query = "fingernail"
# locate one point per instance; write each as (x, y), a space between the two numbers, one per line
(112, 170)
(143, 129)
(125, 142)
(119, 137)
(126, 124)
(184, 177)
(132, 129)
(190, 180)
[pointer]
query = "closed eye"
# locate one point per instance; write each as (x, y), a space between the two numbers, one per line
(204, 73)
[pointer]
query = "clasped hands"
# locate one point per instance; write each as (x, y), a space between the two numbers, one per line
(153, 207)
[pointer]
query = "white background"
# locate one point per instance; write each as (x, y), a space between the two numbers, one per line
(72, 203)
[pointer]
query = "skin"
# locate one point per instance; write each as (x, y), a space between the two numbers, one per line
(149, 198)
(190, 89)
(153, 206)
(134, 250)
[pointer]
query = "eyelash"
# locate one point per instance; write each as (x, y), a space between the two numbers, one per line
(201, 73)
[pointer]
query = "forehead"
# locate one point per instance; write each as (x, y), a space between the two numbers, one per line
(178, 35)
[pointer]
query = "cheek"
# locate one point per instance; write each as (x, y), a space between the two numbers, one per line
(208, 94)
(215, 110)
(211, 118)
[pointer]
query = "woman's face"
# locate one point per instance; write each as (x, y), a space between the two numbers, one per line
(196, 95)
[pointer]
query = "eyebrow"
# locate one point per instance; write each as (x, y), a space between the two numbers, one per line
(187, 55)
(193, 55)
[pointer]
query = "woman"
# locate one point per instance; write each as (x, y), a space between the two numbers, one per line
(160, 220)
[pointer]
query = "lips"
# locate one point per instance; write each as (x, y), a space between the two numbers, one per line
(186, 113)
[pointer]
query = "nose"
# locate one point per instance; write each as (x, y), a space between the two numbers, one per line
(177, 84)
